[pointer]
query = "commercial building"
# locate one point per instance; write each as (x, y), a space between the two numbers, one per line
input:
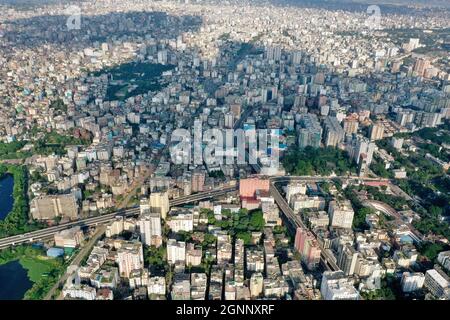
(248, 187)
(50, 207)
(70, 238)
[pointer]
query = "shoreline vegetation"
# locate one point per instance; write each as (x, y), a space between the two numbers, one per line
(42, 271)
(17, 221)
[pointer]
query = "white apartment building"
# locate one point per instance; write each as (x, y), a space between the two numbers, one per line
(176, 251)
(341, 214)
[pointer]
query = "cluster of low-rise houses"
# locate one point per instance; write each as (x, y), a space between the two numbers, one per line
(305, 74)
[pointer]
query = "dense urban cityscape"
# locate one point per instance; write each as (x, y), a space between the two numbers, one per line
(224, 150)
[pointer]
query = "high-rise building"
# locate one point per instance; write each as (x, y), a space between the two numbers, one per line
(295, 188)
(180, 220)
(308, 247)
(193, 255)
(310, 133)
(397, 143)
(347, 259)
(176, 251)
(236, 110)
(412, 281)
(376, 131)
(273, 53)
(437, 282)
(198, 180)
(159, 203)
(334, 134)
(130, 257)
(420, 66)
(150, 227)
(341, 214)
(350, 124)
(162, 56)
(361, 148)
(444, 259)
(229, 120)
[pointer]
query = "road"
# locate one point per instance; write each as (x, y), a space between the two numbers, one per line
(297, 222)
(389, 211)
(134, 187)
(94, 221)
(84, 252)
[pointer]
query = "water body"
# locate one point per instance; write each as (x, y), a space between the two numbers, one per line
(6, 195)
(14, 281)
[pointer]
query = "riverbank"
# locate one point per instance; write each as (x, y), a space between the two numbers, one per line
(17, 221)
(42, 271)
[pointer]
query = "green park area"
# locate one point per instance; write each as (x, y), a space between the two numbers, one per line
(42, 271)
(239, 224)
(48, 143)
(132, 79)
(425, 181)
(12, 150)
(53, 142)
(17, 221)
(317, 161)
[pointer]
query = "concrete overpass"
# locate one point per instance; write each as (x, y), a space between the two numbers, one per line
(295, 221)
(46, 233)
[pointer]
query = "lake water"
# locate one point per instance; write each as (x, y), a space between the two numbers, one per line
(6, 195)
(14, 281)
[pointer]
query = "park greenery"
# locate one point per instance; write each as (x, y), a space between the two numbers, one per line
(431, 222)
(217, 174)
(56, 143)
(49, 143)
(317, 161)
(239, 224)
(134, 78)
(154, 257)
(359, 219)
(398, 203)
(426, 182)
(430, 250)
(17, 221)
(12, 150)
(437, 135)
(43, 271)
(58, 106)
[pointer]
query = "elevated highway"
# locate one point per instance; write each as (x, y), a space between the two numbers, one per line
(46, 233)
